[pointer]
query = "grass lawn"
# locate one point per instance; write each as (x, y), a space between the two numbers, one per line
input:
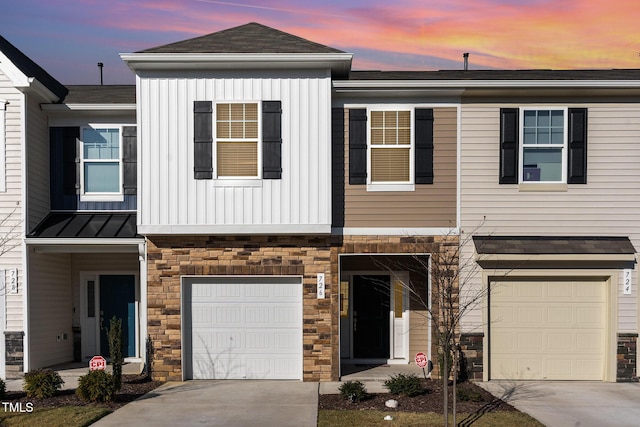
(370, 418)
(68, 416)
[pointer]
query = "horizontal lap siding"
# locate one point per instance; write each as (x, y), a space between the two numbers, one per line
(50, 307)
(607, 205)
(11, 201)
(171, 195)
(430, 205)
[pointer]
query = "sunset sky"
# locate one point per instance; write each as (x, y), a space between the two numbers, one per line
(68, 37)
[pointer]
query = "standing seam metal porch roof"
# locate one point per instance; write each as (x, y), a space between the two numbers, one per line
(93, 225)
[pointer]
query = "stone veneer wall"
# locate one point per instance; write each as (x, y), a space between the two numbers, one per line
(627, 358)
(472, 349)
(14, 348)
(171, 257)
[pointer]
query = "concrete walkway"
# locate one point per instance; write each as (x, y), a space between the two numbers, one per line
(572, 403)
(222, 403)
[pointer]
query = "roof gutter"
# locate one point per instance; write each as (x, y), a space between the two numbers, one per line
(339, 63)
(352, 85)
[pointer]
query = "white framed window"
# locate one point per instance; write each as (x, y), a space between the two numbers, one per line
(237, 136)
(390, 150)
(101, 163)
(543, 152)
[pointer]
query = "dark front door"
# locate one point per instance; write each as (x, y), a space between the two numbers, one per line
(371, 305)
(118, 298)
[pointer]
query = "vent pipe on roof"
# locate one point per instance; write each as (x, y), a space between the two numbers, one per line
(466, 60)
(100, 65)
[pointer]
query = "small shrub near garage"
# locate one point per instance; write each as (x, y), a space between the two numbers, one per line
(469, 395)
(96, 386)
(3, 389)
(408, 385)
(353, 391)
(42, 383)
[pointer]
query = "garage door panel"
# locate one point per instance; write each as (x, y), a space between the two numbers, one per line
(249, 330)
(558, 330)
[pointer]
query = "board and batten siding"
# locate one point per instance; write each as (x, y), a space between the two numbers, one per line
(430, 205)
(608, 205)
(11, 208)
(50, 308)
(169, 194)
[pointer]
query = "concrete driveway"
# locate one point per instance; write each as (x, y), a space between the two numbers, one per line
(572, 403)
(222, 403)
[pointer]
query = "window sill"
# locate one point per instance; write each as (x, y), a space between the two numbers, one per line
(256, 182)
(102, 198)
(543, 187)
(391, 187)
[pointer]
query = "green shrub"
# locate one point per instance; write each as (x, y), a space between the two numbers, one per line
(469, 395)
(409, 385)
(114, 335)
(353, 391)
(96, 386)
(42, 383)
(3, 389)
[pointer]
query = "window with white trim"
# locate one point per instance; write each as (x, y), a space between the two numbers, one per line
(390, 154)
(101, 163)
(237, 136)
(543, 149)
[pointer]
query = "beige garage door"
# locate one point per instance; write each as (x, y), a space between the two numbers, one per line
(547, 330)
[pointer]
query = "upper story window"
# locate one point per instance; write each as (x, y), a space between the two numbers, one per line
(390, 149)
(543, 145)
(543, 151)
(390, 154)
(237, 140)
(101, 163)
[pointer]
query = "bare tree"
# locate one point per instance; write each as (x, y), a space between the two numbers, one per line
(440, 262)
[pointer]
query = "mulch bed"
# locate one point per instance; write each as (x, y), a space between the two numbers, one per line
(430, 401)
(133, 386)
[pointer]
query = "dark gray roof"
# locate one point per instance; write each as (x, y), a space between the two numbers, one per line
(109, 94)
(538, 245)
(31, 69)
(86, 225)
(612, 74)
(248, 38)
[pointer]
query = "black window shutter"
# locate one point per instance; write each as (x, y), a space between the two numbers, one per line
(509, 145)
(129, 159)
(203, 139)
(577, 158)
(424, 146)
(71, 160)
(357, 146)
(271, 140)
(63, 169)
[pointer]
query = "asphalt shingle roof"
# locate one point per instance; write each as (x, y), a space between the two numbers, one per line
(248, 38)
(538, 245)
(109, 94)
(31, 69)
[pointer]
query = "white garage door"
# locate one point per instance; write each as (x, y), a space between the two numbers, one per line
(243, 328)
(547, 330)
